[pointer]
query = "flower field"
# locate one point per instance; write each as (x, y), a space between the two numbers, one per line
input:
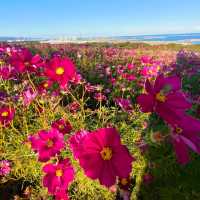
(99, 121)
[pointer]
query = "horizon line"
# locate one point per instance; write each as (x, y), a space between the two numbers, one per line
(96, 35)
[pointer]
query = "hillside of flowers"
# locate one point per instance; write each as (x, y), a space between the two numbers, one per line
(99, 122)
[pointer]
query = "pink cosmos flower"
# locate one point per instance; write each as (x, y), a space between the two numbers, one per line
(90, 88)
(125, 104)
(4, 167)
(120, 69)
(185, 136)
(100, 154)
(73, 107)
(62, 125)
(60, 70)
(76, 142)
(58, 176)
(28, 96)
(44, 86)
(47, 143)
(164, 98)
(6, 115)
(23, 60)
(130, 77)
(113, 81)
(146, 59)
(77, 79)
(150, 71)
(6, 72)
(130, 66)
(100, 97)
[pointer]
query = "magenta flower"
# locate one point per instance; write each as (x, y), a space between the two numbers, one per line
(125, 104)
(90, 88)
(47, 143)
(62, 125)
(164, 98)
(146, 59)
(58, 176)
(23, 60)
(6, 72)
(60, 70)
(44, 86)
(100, 97)
(130, 66)
(6, 115)
(130, 77)
(73, 107)
(76, 142)
(100, 154)
(4, 167)
(77, 79)
(185, 136)
(28, 96)
(150, 71)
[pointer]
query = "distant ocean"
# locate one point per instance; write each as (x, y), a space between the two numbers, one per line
(192, 38)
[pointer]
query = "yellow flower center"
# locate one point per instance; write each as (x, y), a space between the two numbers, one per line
(61, 127)
(124, 181)
(59, 172)
(106, 153)
(160, 97)
(60, 71)
(1, 62)
(178, 130)
(4, 114)
(49, 143)
(45, 85)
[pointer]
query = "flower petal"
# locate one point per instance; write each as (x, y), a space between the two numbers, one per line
(181, 151)
(146, 102)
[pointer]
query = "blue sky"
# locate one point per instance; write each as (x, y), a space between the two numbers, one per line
(37, 18)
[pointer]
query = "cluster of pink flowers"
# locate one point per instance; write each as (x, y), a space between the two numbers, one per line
(5, 167)
(101, 148)
(48, 145)
(167, 100)
(125, 104)
(100, 153)
(150, 67)
(20, 61)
